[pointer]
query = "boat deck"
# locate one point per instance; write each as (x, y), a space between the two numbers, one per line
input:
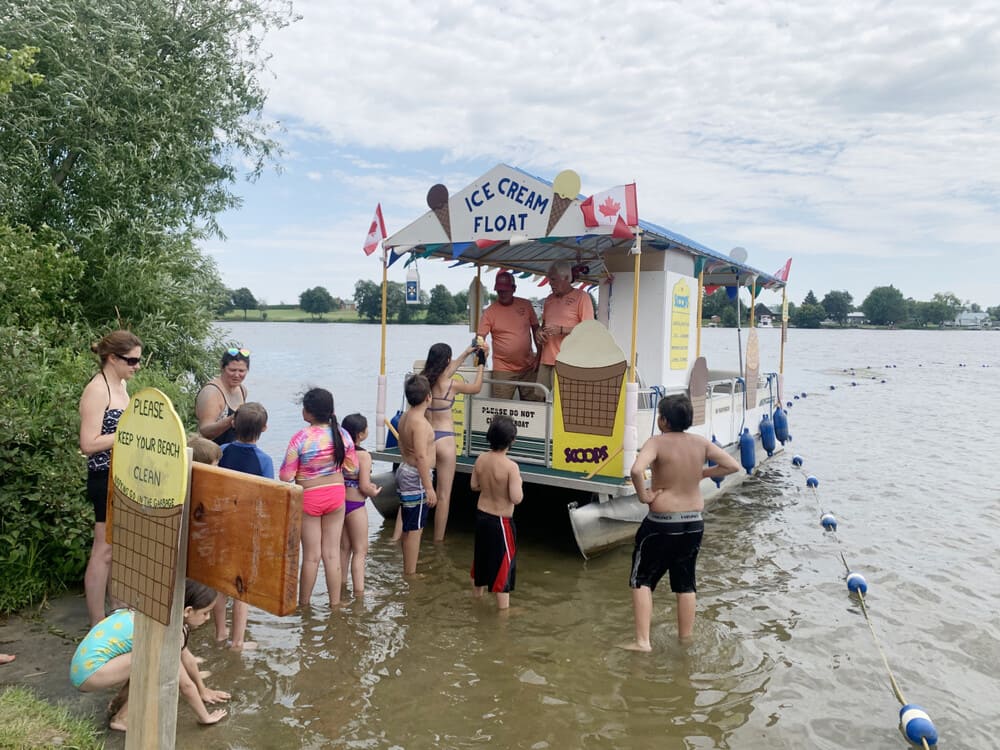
(537, 474)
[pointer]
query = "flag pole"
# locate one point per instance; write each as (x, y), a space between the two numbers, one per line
(784, 328)
(630, 439)
(380, 402)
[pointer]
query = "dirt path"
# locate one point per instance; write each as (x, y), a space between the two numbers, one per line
(44, 641)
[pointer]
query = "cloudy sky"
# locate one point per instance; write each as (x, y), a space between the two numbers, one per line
(861, 139)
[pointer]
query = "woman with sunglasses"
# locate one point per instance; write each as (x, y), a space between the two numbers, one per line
(101, 405)
(219, 399)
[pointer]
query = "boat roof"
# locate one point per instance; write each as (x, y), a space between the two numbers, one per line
(571, 240)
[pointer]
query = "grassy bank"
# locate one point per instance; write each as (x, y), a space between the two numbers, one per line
(292, 315)
(27, 721)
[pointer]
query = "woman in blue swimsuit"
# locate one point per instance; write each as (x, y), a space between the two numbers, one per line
(101, 405)
(440, 369)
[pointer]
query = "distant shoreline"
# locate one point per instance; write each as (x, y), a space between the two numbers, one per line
(297, 315)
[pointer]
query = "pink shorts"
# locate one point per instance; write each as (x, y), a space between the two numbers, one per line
(318, 501)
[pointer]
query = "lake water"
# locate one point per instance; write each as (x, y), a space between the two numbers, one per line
(782, 656)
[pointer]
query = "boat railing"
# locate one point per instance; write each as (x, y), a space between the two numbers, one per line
(533, 419)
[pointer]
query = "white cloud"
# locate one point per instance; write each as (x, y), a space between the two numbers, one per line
(808, 129)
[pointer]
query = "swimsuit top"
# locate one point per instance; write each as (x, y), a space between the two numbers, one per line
(448, 402)
(351, 476)
(229, 435)
(102, 461)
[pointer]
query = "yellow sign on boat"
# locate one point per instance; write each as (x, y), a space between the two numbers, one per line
(680, 325)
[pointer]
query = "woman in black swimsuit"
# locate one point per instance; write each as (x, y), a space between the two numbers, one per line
(101, 405)
(222, 396)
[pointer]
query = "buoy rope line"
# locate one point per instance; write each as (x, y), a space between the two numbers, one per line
(914, 723)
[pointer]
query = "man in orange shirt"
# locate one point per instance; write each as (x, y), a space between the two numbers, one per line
(512, 323)
(564, 308)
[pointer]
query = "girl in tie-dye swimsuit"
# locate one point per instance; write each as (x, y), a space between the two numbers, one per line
(317, 459)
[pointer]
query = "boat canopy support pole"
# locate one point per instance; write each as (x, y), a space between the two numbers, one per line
(380, 419)
(630, 440)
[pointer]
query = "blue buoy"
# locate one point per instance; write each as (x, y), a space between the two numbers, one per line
(828, 521)
(812, 481)
(804, 394)
(856, 582)
(796, 460)
(780, 420)
(767, 434)
(833, 387)
(789, 404)
(748, 453)
(916, 725)
(717, 480)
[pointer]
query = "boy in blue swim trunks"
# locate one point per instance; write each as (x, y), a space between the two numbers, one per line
(670, 536)
(413, 477)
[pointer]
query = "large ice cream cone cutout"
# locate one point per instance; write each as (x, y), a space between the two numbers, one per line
(590, 370)
(565, 188)
(437, 200)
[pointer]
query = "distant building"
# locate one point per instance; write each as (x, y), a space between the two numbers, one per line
(972, 320)
(856, 318)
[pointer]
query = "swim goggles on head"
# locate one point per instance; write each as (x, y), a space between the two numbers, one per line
(234, 352)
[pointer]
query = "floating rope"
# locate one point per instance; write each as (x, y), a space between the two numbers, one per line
(914, 722)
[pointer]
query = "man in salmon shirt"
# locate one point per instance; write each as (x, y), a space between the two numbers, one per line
(564, 308)
(512, 323)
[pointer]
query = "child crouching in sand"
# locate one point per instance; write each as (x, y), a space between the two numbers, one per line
(104, 658)
(498, 480)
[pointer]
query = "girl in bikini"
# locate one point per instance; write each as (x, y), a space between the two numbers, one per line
(101, 405)
(358, 484)
(104, 659)
(219, 399)
(439, 369)
(317, 458)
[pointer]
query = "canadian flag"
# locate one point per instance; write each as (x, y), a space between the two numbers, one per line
(376, 232)
(782, 273)
(603, 209)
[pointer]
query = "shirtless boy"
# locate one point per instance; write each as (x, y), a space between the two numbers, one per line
(670, 536)
(413, 477)
(498, 480)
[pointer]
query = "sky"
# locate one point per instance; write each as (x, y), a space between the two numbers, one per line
(861, 139)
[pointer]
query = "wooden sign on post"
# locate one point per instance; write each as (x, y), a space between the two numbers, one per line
(244, 537)
(149, 478)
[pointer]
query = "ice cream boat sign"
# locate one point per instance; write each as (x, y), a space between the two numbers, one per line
(502, 204)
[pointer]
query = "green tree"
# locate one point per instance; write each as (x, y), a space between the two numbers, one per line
(993, 312)
(441, 308)
(810, 299)
(808, 316)
(129, 147)
(368, 300)
(316, 301)
(884, 305)
(244, 300)
(837, 305)
(122, 127)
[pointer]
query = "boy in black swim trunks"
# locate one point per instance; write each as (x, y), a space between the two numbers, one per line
(498, 480)
(670, 536)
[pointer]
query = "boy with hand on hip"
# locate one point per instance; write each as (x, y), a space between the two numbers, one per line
(498, 480)
(413, 477)
(243, 454)
(670, 535)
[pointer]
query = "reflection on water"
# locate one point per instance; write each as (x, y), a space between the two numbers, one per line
(781, 656)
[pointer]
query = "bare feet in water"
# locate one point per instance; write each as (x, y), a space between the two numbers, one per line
(636, 646)
(244, 646)
(7, 658)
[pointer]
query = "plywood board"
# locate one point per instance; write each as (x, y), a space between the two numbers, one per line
(244, 537)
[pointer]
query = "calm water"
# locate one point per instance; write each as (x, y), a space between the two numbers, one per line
(781, 657)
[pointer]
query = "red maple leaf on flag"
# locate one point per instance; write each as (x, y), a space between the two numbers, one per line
(610, 207)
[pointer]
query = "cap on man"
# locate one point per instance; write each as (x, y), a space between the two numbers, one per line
(512, 323)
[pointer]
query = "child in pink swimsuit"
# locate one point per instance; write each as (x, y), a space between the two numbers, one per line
(317, 458)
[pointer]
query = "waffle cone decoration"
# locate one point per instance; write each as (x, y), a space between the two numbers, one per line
(437, 201)
(589, 396)
(559, 206)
